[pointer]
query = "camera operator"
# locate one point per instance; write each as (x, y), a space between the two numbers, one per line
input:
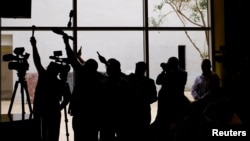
(84, 103)
(48, 95)
(171, 98)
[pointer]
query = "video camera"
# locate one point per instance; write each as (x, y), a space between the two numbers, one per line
(17, 61)
(58, 59)
(64, 62)
(165, 66)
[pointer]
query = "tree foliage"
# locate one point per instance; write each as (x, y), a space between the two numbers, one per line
(189, 12)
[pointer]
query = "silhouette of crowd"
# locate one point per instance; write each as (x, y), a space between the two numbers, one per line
(114, 106)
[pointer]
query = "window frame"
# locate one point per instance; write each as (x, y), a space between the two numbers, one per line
(145, 29)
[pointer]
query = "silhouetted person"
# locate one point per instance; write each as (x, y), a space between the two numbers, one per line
(207, 83)
(116, 106)
(239, 92)
(206, 88)
(172, 102)
(84, 103)
(103, 60)
(48, 95)
(144, 94)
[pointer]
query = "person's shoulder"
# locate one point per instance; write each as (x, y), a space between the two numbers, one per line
(214, 74)
(101, 73)
(149, 79)
(102, 77)
(124, 78)
(131, 75)
(182, 71)
(199, 76)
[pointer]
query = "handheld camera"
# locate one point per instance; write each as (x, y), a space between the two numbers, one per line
(64, 62)
(57, 57)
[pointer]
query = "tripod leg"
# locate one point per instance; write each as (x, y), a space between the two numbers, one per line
(66, 123)
(22, 96)
(25, 86)
(13, 97)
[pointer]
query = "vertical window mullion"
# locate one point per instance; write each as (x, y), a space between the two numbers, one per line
(145, 34)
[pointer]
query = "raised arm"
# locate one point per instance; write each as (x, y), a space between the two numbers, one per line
(78, 55)
(102, 59)
(36, 56)
(194, 89)
(160, 78)
(70, 53)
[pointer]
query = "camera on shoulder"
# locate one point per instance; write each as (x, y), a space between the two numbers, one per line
(165, 66)
(57, 57)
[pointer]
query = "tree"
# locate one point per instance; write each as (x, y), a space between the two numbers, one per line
(189, 12)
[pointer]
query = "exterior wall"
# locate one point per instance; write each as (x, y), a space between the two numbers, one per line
(6, 75)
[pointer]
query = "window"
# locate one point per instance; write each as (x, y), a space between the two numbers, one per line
(129, 30)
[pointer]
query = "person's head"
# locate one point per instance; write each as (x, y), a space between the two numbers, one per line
(140, 68)
(113, 67)
(173, 62)
(206, 66)
(53, 68)
(91, 65)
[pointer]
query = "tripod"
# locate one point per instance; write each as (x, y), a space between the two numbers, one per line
(23, 83)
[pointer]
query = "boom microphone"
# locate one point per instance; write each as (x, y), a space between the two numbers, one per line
(71, 14)
(58, 31)
(61, 32)
(33, 30)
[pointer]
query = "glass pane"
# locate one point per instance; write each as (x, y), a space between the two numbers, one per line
(125, 46)
(165, 44)
(44, 13)
(110, 13)
(163, 13)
